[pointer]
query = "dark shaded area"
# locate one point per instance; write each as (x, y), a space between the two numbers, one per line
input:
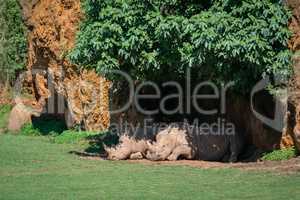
(96, 143)
(181, 103)
(258, 137)
(49, 124)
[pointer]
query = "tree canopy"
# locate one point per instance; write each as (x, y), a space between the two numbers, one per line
(219, 40)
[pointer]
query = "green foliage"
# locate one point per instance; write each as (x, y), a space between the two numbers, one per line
(282, 154)
(73, 137)
(59, 135)
(29, 130)
(13, 45)
(44, 126)
(223, 41)
(4, 110)
(4, 114)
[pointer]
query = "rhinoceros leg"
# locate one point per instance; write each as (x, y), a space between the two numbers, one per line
(182, 150)
(236, 145)
(136, 156)
(233, 157)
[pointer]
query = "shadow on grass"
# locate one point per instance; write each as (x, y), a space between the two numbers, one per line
(95, 145)
(49, 125)
(96, 142)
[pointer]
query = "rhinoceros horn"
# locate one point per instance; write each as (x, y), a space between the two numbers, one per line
(107, 149)
(150, 146)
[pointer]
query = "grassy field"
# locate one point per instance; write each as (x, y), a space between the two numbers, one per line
(33, 168)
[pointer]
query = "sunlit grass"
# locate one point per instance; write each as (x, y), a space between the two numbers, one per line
(34, 168)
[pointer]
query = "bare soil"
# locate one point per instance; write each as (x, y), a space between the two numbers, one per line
(291, 166)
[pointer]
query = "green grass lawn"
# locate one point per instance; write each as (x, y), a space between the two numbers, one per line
(33, 168)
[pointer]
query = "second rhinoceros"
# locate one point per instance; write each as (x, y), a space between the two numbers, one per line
(133, 144)
(173, 143)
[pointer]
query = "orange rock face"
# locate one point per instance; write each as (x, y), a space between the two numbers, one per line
(52, 26)
(292, 133)
(294, 26)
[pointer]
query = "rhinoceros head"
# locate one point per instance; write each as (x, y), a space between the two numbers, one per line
(166, 142)
(121, 151)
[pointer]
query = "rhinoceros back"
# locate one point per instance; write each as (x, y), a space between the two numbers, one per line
(209, 147)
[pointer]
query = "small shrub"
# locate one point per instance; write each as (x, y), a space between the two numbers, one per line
(4, 109)
(282, 154)
(29, 130)
(4, 113)
(72, 137)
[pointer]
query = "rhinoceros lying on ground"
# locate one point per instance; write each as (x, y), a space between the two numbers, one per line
(131, 146)
(128, 148)
(173, 143)
(170, 144)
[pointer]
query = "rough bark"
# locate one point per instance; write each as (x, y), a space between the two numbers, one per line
(292, 132)
(52, 26)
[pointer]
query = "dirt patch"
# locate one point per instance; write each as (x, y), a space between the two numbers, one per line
(291, 166)
(286, 167)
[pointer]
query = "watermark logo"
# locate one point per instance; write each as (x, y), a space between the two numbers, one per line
(188, 97)
(281, 98)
